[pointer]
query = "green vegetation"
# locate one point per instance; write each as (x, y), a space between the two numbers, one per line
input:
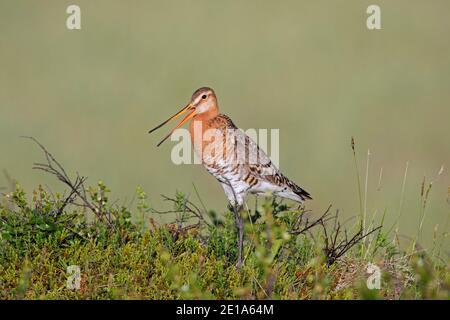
(193, 257)
(123, 252)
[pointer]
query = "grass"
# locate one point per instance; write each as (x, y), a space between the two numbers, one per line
(194, 256)
(127, 252)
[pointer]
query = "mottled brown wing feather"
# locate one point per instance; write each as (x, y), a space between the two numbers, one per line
(264, 169)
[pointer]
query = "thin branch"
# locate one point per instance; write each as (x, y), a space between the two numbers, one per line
(77, 188)
(308, 225)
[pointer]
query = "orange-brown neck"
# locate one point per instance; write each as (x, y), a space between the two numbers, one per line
(202, 121)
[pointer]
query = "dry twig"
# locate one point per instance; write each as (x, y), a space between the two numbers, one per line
(77, 188)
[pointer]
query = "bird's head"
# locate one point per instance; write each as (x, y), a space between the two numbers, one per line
(203, 102)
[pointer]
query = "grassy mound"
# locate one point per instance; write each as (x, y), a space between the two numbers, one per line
(287, 255)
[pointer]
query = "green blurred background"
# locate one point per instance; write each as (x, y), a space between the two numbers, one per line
(310, 68)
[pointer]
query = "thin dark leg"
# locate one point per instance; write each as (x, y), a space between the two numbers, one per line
(240, 234)
(240, 227)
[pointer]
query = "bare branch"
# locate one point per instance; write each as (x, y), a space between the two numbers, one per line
(334, 249)
(77, 188)
(308, 225)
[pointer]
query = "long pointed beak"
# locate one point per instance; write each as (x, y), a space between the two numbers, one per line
(191, 112)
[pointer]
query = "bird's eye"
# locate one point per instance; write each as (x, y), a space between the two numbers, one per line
(204, 96)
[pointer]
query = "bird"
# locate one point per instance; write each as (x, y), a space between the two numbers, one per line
(231, 156)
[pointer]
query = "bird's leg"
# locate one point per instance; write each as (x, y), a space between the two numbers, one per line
(240, 233)
(240, 227)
